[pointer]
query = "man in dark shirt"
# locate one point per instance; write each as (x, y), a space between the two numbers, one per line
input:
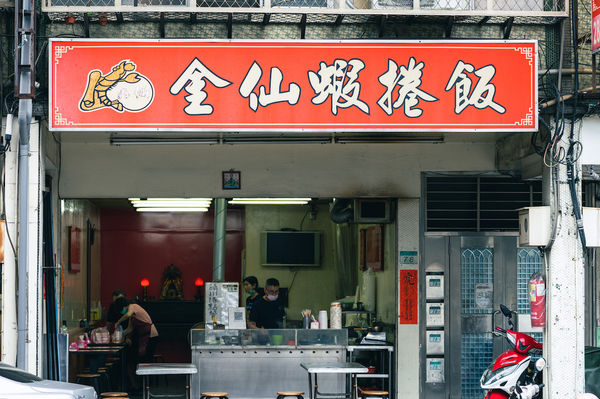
(268, 311)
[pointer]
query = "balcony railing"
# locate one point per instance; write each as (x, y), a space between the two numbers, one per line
(483, 8)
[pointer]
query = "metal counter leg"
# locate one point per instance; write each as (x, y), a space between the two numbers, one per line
(354, 394)
(145, 387)
(187, 387)
(310, 386)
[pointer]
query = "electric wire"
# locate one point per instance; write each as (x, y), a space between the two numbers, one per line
(304, 217)
(3, 189)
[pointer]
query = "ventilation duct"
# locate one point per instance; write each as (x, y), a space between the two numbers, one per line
(342, 210)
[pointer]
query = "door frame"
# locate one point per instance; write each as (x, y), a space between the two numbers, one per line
(448, 246)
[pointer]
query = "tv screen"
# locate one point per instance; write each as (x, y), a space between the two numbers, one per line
(290, 248)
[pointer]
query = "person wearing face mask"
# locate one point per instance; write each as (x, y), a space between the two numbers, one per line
(140, 336)
(254, 293)
(268, 311)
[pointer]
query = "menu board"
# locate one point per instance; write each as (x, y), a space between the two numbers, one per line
(219, 298)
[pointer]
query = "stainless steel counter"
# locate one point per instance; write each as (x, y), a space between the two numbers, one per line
(258, 363)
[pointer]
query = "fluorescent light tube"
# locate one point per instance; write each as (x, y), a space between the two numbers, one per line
(171, 209)
(170, 204)
(170, 199)
(269, 201)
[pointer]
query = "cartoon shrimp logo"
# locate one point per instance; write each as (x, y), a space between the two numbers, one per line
(121, 89)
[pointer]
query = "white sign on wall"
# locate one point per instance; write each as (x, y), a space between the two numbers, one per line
(219, 298)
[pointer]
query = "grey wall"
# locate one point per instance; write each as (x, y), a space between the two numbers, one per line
(99, 170)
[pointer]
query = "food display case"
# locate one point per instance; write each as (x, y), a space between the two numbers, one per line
(255, 363)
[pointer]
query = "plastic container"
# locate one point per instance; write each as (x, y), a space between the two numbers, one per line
(335, 312)
(323, 319)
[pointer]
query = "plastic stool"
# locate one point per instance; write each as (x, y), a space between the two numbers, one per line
(284, 394)
(381, 394)
(222, 395)
(114, 394)
(92, 380)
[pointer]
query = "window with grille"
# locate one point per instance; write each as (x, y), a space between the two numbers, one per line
(477, 203)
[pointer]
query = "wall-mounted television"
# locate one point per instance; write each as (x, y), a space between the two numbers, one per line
(290, 248)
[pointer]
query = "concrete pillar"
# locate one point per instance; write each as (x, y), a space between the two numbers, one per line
(34, 314)
(8, 334)
(564, 333)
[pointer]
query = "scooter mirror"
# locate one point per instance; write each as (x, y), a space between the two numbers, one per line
(540, 364)
(505, 311)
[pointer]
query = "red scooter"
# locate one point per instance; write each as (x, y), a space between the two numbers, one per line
(513, 374)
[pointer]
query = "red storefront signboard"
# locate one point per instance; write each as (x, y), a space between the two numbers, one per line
(595, 26)
(293, 85)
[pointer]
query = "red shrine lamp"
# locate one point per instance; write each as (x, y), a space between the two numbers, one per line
(145, 283)
(198, 283)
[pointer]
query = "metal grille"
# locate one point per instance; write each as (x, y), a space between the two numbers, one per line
(449, 4)
(539, 337)
(302, 3)
(539, 11)
(526, 5)
(227, 3)
(478, 203)
(529, 261)
(476, 356)
(477, 274)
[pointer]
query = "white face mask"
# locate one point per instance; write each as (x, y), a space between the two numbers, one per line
(272, 297)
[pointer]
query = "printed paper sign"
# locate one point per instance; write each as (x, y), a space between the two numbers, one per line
(484, 295)
(409, 297)
(595, 26)
(337, 86)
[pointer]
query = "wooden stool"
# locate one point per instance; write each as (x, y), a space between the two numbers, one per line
(92, 380)
(283, 394)
(114, 394)
(368, 394)
(222, 395)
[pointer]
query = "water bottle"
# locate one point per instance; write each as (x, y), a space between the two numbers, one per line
(64, 329)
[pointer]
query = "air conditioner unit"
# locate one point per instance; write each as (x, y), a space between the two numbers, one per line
(372, 210)
(591, 227)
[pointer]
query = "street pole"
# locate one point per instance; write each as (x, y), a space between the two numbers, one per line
(564, 334)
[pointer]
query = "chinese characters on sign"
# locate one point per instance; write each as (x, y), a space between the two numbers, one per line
(220, 297)
(192, 80)
(595, 26)
(339, 83)
(409, 296)
(270, 85)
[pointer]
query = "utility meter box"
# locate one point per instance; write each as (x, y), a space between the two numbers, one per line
(591, 226)
(534, 226)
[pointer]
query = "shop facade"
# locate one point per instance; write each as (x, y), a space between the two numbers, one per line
(399, 163)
